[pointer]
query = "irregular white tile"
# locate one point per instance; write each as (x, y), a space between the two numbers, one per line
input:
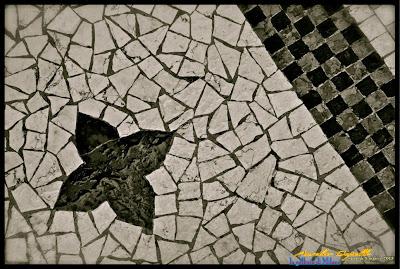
(263, 58)
(263, 117)
(191, 69)
(245, 234)
(302, 164)
(152, 41)
(91, 107)
(334, 237)
(226, 30)
(79, 88)
(214, 167)
(119, 35)
(49, 193)
(92, 251)
(214, 62)
(201, 27)
(327, 158)
(35, 28)
(268, 220)
(127, 234)
(232, 178)
(51, 54)
(146, 249)
(127, 127)
(35, 141)
(315, 228)
(147, 24)
(48, 170)
(191, 94)
(263, 242)
(124, 79)
(289, 148)
(215, 207)
(203, 256)
(243, 212)
(165, 204)
(248, 37)
(208, 150)
(235, 257)
(150, 66)
(254, 152)
(15, 65)
(230, 57)
(87, 230)
(203, 238)
(306, 189)
(182, 148)
(164, 13)
(225, 245)
(342, 215)
(169, 108)
(175, 43)
(179, 124)
(191, 173)
(354, 235)
(249, 68)
(169, 82)
(191, 208)
(92, 13)
(301, 120)
(186, 228)
(165, 227)
(120, 61)
(150, 120)
(63, 222)
(11, 94)
(103, 216)
(229, 140)
(176, 166)
(34, 253)
(113, 116)
(308, 212)
(243, 90)
(16, 224)
(171, 250)
(24, 80)
(48, 246)
(207, 10)
(283, 102)
(314, 137)
(189, 190)
(57, 138)
(56, 103)
(171, 61)
(161, 181)
(102, 38)
(16, 136)
(16, 176)
(291, 206)
(61, 43)
(214, 191)
(248, 130)
(372, 222)
(209, 101)
(16, 251)
(231, 12)
(220, 84)
(218, 226)
(69, 158)
(115, 9)
(68, 243)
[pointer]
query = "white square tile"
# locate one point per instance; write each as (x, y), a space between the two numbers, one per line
(383, 44)
(372, 27)
(386, 13)
(360, 12)
(390, 61)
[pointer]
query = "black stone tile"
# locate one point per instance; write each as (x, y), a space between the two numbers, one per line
(351, 156)
(308, 62)
(321, 113)
(389, 88)
(332, 67)
(255, 16)
(280, 21)
(292, 71)
(340, 141)
(391, 217)
(273, 43)
(366, 86)
(331, 127)
(386, 114)
(361, 109)
(322, 53)
(383, 201)
(337, 105)
(342, 81)
(282, 58)
(332, 7)
(362, 171)
(347, 57)
(392, 192)
(304, 26)
(372, 123)
(317, 76)
(357, 71)
(327, 28)
(373, 61)
(347, 119)
(327, 91)
(378, 161)
(358, 134)
(382, 138)
(352, 33)
(298, 49)
(373, 186)
(311, 99)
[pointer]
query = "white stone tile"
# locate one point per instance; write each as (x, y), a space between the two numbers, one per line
(248, 37)
(170, 250)
(92, 13)
(16, 224)
(342, 215)
(35, 141)
(124, 79)
(120, 61)
(273, 197)
(170, 108)
(229, 140)
(326, 197)
(203, 256)
(208, 150)
(390, 61)
(214, 167)
(49, 193)
(289, 148)
(235, 257)
(165, 204)
(175, 166)
(103, 216)
(214, 62)
(383, 44)
(306, 189)
(372, 27)
(285, 181)
(150, 120)
(386, 13)
(68, 243)
(70, 259)
(34, 253)
(66, 21)
(191, 69)
(360, 12)
(175, 43)
(191, 208)
(291, 206)
(181, 25)
(147, 24)
(189, 190)
(16, 251)
(63, 221)
(136, 50)
(120, 37)
(220, 84)
(315, 228)
(146, 249)
(249, 68)
(102, 38)
(39, 221)
(48, 245)
(165, 13)
(225, 245)
(307, 213)
(127, 234)
(161, 181)
(327, 158)
(201, 27)
(48, 170)
(153, 40)
(92, 251)
(243, 90)
(283, 102)
(243, 212)
(226, 30)
(372, 222)
(165, 227)
(209, 102)
(214, 191)
(69, 158)
(314, 137)
(186, 228)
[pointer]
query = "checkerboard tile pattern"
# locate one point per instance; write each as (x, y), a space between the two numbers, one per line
(344, 83)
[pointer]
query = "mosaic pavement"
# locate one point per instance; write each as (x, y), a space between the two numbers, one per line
(238, 168)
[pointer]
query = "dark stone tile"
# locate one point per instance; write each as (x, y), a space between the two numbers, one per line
(352, 33)
(372, 123)
(327, 91)
(342, 19)
(351, 96)
(292, 71)
(378, 161)
(340, 141)
(387, 177)
(386, 114)
(357, 71)
(327, 28)
(304, 26)
(372, 61)
(392, 192)
(317, 76)
(298, 49)
(254, 16)
(332, 7)
(337, 43)
(362, 109)
(280, 21)
(317, 14)
(347, 119)
(322, 53)
(302, 85)
(373, 186)
(382, 138)
(311, 99)
(351, 156)
(295, 12)
(367, 147)
(366, 86)
(321, 113)
(337, 105)
(389, 88)
(362, 171)
(342, 81)
(391, 217)
(382, 75)
(390, 154)
(308, 62)
(383, 202)
(362, 47)
(357, 134)
(270, 10)
(347, 57)
(331, 127)
(273, 43)
(289, 35)
(377, 100)
(282, 58)
(313, 40)
(264, 30)
(332, 67)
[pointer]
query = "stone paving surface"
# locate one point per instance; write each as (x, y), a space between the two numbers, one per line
(342, 81)
(250, 176)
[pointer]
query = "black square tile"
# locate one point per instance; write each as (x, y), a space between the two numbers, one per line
(298, 49)
(320, 113)
(357, 134)
(273, 43)
(326, 28)
(292, 71)
(304, 26)
(351, 156)
(366, 86)
(361, 109)
(323, 53)
(347, 57)
(391, 217)
(337, 105)
(386, 114)
(255, 16)
(342, 81)
(389, 88)
(280, 21)
(331, 127)
(352, 33)
(382, 138)
(317, 76)
(373, 186)
(378, 161)
(332, 7)
(392, 192)
(282, 58)
(373, 62)
(311, 99)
